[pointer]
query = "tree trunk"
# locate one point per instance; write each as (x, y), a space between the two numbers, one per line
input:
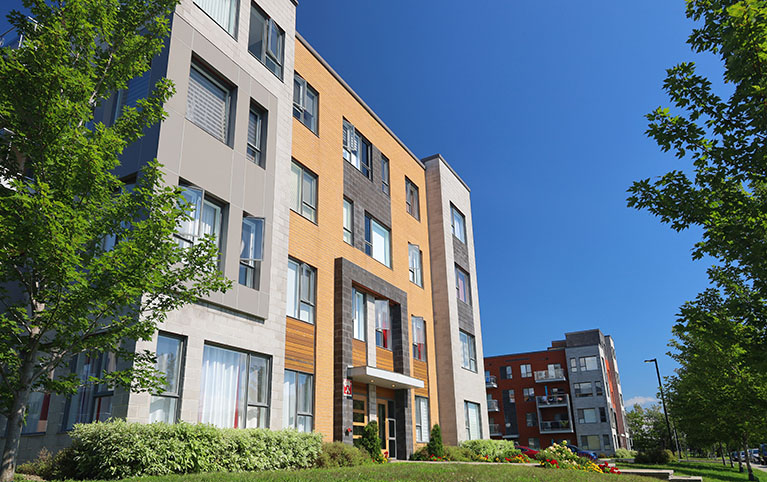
(15, 421)
(721, 450)
(748, 459)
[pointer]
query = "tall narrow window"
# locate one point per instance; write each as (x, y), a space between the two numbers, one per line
(304, 191)
(301, 291)
(411, 199)
(348, 222)
(223, 12)
(266, 40)
(93, 401)
(468, 352)
(458, 224)
(526, 370)
(305, 103)
(165, 404)
(357, 150)
(598, 389)
(208, 103)
(473, 421)
(377, 241)
(414, 255)
(251, 251)
(506, 372)
(359, 310)
(37, 413)
(383, 324)
(419, 338)
(421, 419)
(298, 396)
(256, 128)
(573, 365)
(204, 218)
(258, 392)
(385, 175)
(462, 285)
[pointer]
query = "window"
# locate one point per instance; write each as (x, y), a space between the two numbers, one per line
(266, 40)
(602, 415)
(385, 175)
(534, 443)
(526, 370)
(234, 391)
(36, 414)
(223, 12)
(137, 88)
(305, 103)
(383, 324)
(348, 221)
(462, 286)
(531, 419)
(256, 135)
(606, 441)
(415, 261)
(573, 365)
(529, 394)
(509, 395)
(473, 423)
(251, 251)
(506, 372)
(303, 188)
(208, 103)
(359, 310)
(598, 389)
(422, 419)
(298, 395)
(468, 350)
(587, 415)
(165, 404)
(589, 363)
(93, 401)
(377, 241)
(301, 291)
(583, 389)
(357, 150)
(411, 199)
(459, 224)
(204, 218)
(419, 338)
(590, 442)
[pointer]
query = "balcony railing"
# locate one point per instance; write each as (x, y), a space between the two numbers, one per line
(491, 382)
(495, 430)
(551, 375)
(492, 405)
(553, 401)
(555, 426)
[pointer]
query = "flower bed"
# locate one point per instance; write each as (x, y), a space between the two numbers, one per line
(561, 457)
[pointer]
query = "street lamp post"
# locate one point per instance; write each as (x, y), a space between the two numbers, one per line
(663, 399)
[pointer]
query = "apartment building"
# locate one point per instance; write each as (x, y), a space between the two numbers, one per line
(569, 392)
(355, 293)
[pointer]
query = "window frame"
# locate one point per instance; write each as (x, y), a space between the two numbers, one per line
(232, 16)
(461, 273)
(526, 370)
(266, 54)
(252, 266)
(510, 395)
(385, 175)
(359, 325)
(531, 419)
(186, 240)
(383, 330)
(581, 414)
(506, 373)
(297, 414)
(259, 147)
(300, 109)
(419, 348)
(478, 408)
(579, 389)
(370, 246)
(528, 394)
(353, 143)
(348, 215)
(419, 423)
(222, 84)
(415, 270)
(95, 365)
(300, 205)
(468, 351)
(453, 211)
(412, 199)
(308, 299)
(584, 363)
(177, 395)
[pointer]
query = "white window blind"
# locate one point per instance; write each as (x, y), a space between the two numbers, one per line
(207, 104)
(223, 12)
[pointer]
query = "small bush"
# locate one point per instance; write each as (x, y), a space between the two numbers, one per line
(655, 456)
(42, 464)
(625, 453)
(435, 446)
(459, 454)
(492, 450)
(421, 454)
(339, 454)
(370, 442)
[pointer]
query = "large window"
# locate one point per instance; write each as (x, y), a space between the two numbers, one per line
(589, 363)
(266, 40)
(37, 414)
(528, 394)
(583, 389)
(256, 135)
(587, 415)
(458, 224)
(234, 392)
(205, 218)
(419, 338)
(421, 419)
(93, 401)
(301, 291)
(415, 261)
(165, 404)
(298, 396)
(305, 103)
(462, 285)
(411, 199)
(468, 352)
(590, 442)
(348, 222)
(360, 313)
(385, 175)
(303, 188)
(473, 421)
(383, 324)
(506, 372)
(223, 12)
(357, 150)
(251, 251)
(377, 241)
(526, 370)
(208, 102)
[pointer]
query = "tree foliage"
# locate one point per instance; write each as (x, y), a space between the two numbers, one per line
(648, 428)
(85, 261)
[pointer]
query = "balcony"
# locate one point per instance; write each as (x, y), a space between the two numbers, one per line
(491, 382)
(551, 375)
(495, 430)
(553, 401)
(492, 405)
(556, 426)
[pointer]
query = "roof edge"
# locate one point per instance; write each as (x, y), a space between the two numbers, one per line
(439, 156)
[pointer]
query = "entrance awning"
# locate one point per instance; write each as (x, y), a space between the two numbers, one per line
(383, 378)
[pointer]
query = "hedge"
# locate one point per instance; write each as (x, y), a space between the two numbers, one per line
(118, 449)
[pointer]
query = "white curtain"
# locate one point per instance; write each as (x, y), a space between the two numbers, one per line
(223, 387)
(210, 220)
(193, 199)
(292, 293)
(289, 399)
(221, 11)
(472, 411)
(359, 315)
(380, 241)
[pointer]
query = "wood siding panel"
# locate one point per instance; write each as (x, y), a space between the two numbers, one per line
(421, 372)
(359, 353)
(384, 359)
(299, 346)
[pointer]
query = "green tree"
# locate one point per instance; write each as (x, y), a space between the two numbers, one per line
(64, 289)
(435, 447)
(370, 441)
(648, 428)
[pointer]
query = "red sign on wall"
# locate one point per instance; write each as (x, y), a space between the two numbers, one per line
(347, 388)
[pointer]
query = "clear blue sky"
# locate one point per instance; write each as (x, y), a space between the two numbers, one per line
(539, 106)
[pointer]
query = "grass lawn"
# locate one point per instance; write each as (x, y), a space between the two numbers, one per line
(710, 472)
(442, 472)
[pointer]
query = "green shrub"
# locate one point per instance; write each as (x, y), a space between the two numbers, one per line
(420, 454)
(40, 465)
(491, 450)
(435, 446)
(625, 453)
(459, 454)
(118, 449)
(654, 456)
(371, 442)
(339, 454)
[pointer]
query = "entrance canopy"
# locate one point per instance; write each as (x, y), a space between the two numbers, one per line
(383, 378)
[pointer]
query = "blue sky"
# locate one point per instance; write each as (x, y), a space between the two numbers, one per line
(539, 106)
